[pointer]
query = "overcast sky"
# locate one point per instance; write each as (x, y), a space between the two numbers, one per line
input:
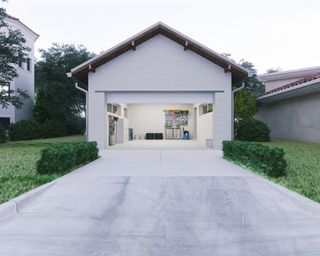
(269, 33)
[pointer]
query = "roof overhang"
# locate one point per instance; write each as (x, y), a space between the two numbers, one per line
(291, 92)
(290, 74)
(81, 72)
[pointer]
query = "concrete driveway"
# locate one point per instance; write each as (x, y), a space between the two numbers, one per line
(202, 205)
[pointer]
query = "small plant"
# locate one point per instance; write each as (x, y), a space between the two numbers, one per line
(60, 158)
(3, 134)
(267, 160)
(251, 129)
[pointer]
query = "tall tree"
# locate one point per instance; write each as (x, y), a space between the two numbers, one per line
(12, 51)
(252, 82)
(273, 70)
(57, 99)
(245, 105)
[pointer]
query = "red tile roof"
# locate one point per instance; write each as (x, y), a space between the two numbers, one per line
(295, 83)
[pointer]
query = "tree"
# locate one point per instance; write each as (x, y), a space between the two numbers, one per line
(12, 51)
(245, 105)
(273, 70)
(57, 98)
(252, 82)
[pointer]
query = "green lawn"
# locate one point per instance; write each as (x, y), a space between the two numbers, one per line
(17, 165)
(303, 170)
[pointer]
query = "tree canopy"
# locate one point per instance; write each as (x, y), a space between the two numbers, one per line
(12, 51)
(56, 96)
(245, 105)
(252, 83)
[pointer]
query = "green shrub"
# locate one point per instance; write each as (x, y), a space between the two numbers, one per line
(262, 158)
(61, 157)
(52, 128)
(3, 134)
(24, 130)
(75, 126)
(251, 130)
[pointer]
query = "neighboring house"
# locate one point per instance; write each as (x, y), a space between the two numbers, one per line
(25, 79)
(291, 104)
(156, 85)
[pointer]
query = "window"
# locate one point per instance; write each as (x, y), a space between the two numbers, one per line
(125, 112)
(5, 121)
(114, 108)
(5, 86)
(20, 64)
(205, 108)
(28, 64)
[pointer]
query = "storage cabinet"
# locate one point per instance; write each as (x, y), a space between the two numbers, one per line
(173, 134)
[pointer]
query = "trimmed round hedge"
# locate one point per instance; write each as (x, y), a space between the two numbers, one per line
(252, 130)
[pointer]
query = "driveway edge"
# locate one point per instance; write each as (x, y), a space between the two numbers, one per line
(15, 205)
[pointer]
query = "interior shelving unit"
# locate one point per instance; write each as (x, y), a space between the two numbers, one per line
(175, 120)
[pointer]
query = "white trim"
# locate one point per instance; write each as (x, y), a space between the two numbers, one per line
(295, 73)
(159, 97)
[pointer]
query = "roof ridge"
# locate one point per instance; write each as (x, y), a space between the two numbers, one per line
(18, 20)
(238, 72)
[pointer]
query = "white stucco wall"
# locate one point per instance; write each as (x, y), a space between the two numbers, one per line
(222, 118)
(204, 125)
(25, 79)
(160, 65)
(295, 119)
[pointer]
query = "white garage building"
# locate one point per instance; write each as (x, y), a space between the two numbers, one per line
(159, 87)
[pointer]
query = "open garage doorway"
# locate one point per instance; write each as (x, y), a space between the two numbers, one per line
(160, 126)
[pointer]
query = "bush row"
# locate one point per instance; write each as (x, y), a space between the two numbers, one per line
(59, 158)
(30, 130)
(251, 129)
(262, 158)
(3, 134)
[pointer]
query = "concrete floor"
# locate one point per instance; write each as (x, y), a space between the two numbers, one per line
(230, 212)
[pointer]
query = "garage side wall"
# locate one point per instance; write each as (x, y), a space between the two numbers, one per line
(293, 119)
(97, 121)
(222, 118)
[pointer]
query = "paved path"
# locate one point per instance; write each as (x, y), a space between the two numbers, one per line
(92, 212)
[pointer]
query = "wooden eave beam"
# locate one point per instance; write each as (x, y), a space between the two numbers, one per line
(228, 68)
(133, 45)
(91, 68)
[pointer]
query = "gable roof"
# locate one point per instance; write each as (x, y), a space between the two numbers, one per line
(306, 85)
(81, 72)
(10, 17)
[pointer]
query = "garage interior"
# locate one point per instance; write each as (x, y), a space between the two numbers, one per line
(172, 126)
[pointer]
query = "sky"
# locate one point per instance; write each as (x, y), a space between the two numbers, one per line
(269, 33)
